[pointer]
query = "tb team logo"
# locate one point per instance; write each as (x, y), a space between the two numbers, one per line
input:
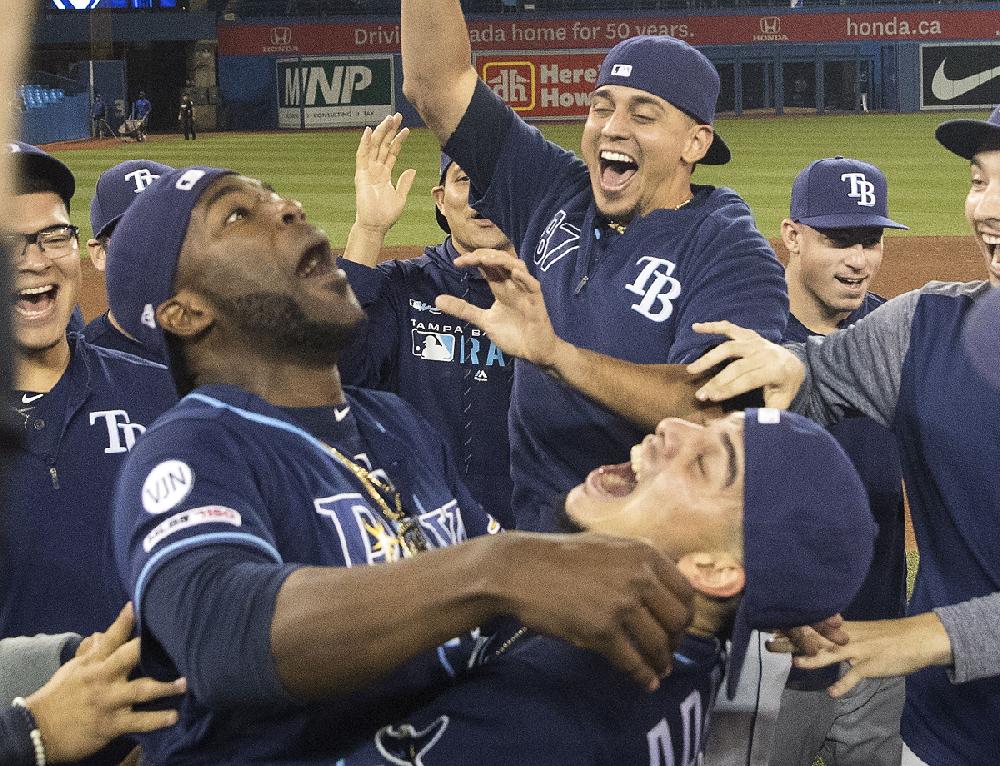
(862, 189)
(656, 286)
(142, 178)
(121, 431)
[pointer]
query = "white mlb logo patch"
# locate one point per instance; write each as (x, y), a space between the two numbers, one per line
(768, 415)
(621, 70)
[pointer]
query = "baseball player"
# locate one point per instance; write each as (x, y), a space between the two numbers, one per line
(464, 389)
(734, 502)
(247, 518)
(904, 366)
(116, 188)
(834, 238)
(80, 409)
(627, 251)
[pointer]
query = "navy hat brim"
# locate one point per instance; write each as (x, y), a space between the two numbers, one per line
(850, 222)
(718, 153)
(967, 137)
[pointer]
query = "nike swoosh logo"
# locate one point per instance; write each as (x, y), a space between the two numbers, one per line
(946, 89)
(29, 399)
(341, 414)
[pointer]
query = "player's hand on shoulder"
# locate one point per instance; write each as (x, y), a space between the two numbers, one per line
(617, 596)
(378, 203)
(753, 362)
(88, 702)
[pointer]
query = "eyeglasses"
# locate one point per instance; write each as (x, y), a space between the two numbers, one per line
(54, 241)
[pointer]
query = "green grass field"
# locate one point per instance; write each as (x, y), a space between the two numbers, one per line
(317, 168)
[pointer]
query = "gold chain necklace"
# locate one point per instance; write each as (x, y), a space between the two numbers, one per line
(410, 535)
(620, 227)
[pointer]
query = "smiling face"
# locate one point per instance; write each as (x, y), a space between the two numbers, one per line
(831, 268)
(469, 230)
(982, 209)
(45, 288)
(269, 276)
(682, 490)
(640, 151)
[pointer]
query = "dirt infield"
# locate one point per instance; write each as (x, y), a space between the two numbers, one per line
(909, 263)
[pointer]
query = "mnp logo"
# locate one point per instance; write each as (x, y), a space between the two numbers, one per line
(316, 92)
(281, 36)
(513, 81)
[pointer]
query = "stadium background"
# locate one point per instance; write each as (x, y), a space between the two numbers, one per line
(281, 88)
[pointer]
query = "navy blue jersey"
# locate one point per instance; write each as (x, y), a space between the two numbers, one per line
(946, 420)
(101, 332)
(547, 703)
(449, 370)
(872, 449)
(58, 571)
(903, 365)
(633, 296)
(225, 468)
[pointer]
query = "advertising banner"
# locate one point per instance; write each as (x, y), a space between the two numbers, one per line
(334, 92)
(547, 85)
(791, 26)
(961, 75)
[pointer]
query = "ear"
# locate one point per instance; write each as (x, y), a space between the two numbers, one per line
(791, 235)
(698, 143)
(98, 256)
(717, 574)
(438, 194)
(186, 314)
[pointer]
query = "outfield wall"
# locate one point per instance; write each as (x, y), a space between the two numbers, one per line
(275, 73)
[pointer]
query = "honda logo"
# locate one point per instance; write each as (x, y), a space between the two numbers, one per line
(769, 25)
(283, 35)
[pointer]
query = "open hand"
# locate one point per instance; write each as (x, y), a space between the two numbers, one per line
(518, 321)
(88, 702)
(757, 363)
(379, 204)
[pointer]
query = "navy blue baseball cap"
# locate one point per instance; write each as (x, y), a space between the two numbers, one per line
(841, 193)
(808, 530)
(30, 161)
(117, 187)
(143, 253)
(674, 71)
(967, 137)
(442, 221)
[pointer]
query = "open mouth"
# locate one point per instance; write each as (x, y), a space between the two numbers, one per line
(316, 261)
(992, 241)
(36, 301)
(613, 480)
(854, 282)
(617, 169)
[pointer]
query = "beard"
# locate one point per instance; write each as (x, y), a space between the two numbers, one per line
(278, 323)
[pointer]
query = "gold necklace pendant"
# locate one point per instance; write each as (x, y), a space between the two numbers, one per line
(619, 228)
(409, 532)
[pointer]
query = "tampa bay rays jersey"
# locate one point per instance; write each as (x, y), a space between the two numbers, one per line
(633, 296)
(58, 572)
(872, 449)
(453, 374)
(100, 332)
(903, 366)
(224, 467)
(547, 703)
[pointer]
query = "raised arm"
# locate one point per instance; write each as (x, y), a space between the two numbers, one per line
(438, 77)
(377, 203)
